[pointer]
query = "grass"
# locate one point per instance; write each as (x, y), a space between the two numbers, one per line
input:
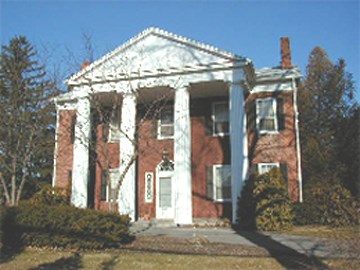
(32, 259)
(42, 259)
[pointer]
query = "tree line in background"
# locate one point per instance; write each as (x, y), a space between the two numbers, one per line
(329, 126)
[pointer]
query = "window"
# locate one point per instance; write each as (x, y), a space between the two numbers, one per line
(166, 123)
(220, 117)
(222, 182)
(265, 167)
(114, 175)
(114, 128)
(266, 120)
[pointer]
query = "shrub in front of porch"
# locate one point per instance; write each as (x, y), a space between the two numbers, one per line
(65, 227)
(265, 204)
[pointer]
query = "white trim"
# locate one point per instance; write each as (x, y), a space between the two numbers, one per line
(112, 124)
(213, 104)
(227, 56)
(165, 174)
(160, 125)
(297, 134)
(56, 146)
(274, 106)
(149, 189)
(274, 164)
(214, 167)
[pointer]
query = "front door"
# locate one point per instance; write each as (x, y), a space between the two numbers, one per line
(164, 198)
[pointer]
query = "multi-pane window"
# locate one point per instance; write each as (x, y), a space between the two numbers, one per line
(114, 130)
(220, 117)
(166, 123)
(105, 193)
(266, 120)
(265, 167)
(222, 182)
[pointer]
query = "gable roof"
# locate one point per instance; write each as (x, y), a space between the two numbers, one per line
(230, 57)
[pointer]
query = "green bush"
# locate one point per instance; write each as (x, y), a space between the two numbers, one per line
(264, 203)
(49, 195)
(65, 227)
(328, 204)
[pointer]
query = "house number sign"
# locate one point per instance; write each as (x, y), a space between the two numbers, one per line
(149, 177)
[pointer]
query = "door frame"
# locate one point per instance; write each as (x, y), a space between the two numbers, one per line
(161, 174)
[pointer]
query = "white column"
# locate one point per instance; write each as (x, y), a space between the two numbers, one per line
(182, 157)
(56, 144)
(127, 147)
(80, 173)
(238, 141)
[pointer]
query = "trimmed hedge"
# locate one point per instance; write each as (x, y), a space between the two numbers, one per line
(264, 203)
(64, 227)
(327, 204)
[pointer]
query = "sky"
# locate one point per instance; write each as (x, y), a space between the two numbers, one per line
(247, 28)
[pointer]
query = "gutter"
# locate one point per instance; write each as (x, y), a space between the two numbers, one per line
(297, 134)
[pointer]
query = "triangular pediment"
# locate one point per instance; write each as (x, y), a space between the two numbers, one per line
(156, 51)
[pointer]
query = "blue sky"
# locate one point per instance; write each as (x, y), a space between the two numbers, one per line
(247, 28)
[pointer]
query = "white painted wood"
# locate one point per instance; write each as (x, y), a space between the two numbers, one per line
(272, 87)
(127, 190)
(56, 146)
(238, 141)
(80, 172)
(182, 157)
(149, 187)
(165, 207)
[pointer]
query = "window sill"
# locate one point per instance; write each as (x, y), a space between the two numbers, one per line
(165, 138)
(265, 132)
(220, 134)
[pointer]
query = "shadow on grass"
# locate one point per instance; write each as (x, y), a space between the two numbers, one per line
(286, 256)
(71, 263)
(110, 264)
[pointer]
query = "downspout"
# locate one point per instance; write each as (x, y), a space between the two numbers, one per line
(297, 135)
(56, 144)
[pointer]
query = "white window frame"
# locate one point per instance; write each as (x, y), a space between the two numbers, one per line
(114, 137)
(213, 105)
(112, 175)
(149, 189)
(215, 167)
(261, 166)
(160, 125)
(274, 105)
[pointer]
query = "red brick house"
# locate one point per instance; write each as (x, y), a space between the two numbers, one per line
(222, 119)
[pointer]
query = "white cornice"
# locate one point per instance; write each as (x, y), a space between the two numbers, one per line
(228, 57)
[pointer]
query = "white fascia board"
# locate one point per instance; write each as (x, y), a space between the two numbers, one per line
(273, 87)
(230, 57)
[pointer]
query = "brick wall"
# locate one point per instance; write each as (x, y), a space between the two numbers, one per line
(280, 147)
(64, 160)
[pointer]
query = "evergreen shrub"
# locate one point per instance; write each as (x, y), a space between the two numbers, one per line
(264, 203)
(328, 204)
(63, 226)
(49, 195)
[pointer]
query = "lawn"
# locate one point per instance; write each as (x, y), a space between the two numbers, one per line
(152, 252)
(42, 259)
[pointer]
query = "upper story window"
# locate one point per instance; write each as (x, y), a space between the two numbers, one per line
(114, 130)
(266, 120)
(220, 117)
(165, 125)
(265, 167)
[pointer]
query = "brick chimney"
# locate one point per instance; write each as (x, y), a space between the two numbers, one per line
(85, 64)
(285, 53)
